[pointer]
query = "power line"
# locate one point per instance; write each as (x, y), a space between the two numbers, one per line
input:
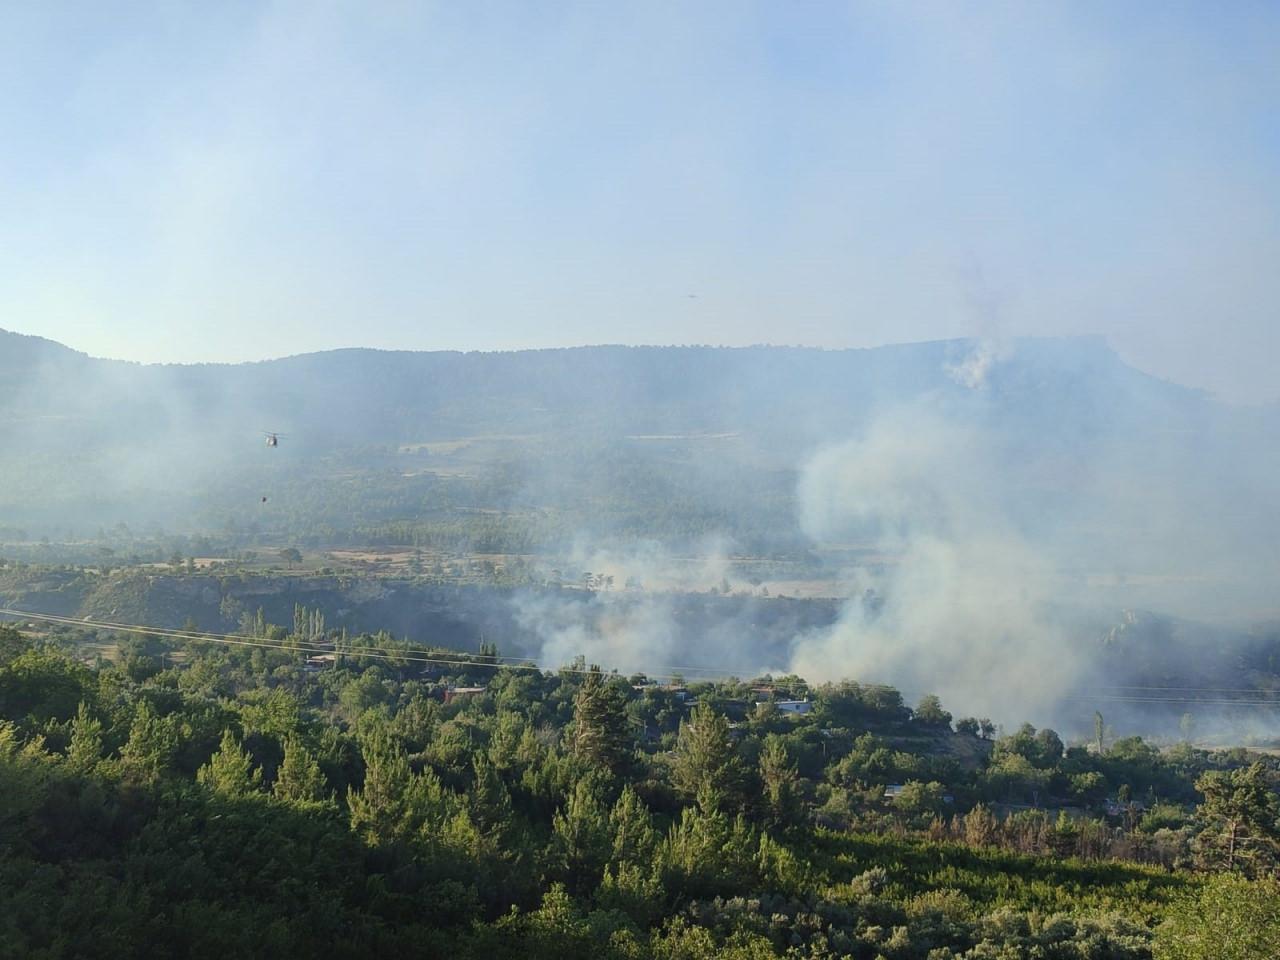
(1187, 689)
(316, 647)
(1103, 698)
(304, 646)
(313, 645)
(299, 646)
(1108, 694)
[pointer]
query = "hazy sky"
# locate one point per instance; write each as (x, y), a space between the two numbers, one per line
(234, 181)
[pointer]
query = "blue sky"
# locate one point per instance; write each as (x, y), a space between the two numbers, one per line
(238, 181)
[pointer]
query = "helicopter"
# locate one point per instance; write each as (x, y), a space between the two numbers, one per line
(273, 439)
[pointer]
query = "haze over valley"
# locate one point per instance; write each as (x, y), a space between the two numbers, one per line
(659, 481)
(928, 515)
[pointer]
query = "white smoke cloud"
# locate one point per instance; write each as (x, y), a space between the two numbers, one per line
(648, 565)
(962, 605)
(976, 366)
(628, 625)
(625, 634)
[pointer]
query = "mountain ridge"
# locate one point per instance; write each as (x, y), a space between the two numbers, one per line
(1095, 343)
(579, 427)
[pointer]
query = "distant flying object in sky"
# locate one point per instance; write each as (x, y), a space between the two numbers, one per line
(273, 439)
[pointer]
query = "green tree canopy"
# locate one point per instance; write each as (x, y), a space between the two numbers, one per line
(705, 763)
(230, 771)
(1246, 808)
(601, 735)
(1231, 919)
(299, 778)
(930, 713)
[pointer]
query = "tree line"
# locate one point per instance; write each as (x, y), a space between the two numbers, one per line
(236, 800)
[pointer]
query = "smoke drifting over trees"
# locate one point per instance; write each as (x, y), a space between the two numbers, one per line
(964, 596)
(986, 510)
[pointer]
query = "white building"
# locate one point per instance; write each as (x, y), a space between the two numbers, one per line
(793, 707)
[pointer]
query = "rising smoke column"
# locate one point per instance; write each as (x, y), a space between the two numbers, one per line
(960, 604)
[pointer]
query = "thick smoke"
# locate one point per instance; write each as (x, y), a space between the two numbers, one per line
(1007, 533)
(977, 515)
(960, 604)
(623, 609)
(628, 635)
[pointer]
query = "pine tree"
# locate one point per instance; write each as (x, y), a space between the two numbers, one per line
(377, 809)
(394, 803)
(1246, 807)
(780, 780)
(151, 744)
(705, 766)
(230, 771)
(981, 827)
(601, 735)
(85, 749)
(582, 842)
(489, 802)
(634, 838)
(705, 854)
(299, 778)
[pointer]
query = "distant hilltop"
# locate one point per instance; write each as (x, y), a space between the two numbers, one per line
(669, 442)
(789, 395)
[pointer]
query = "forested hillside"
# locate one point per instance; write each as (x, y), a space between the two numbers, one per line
(244, 801)
(972, 508)
(677, 442)
(369, 397)
(1149, 674)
